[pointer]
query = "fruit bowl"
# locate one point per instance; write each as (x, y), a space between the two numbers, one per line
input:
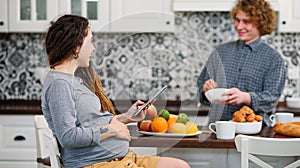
(248, 127)
(293, 102)
(215, 95)
(169, 134)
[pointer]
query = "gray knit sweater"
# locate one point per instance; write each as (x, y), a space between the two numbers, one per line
(73, 114)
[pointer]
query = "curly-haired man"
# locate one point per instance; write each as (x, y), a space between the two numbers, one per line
(254, 72)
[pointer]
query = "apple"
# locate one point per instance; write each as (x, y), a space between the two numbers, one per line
(139, 123)
(145, 125)
(151, 112)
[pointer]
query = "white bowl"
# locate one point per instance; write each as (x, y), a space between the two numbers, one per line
(293, 102)
(215, 95)
(248, 127)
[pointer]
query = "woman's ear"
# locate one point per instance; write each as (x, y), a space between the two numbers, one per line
(77, 50)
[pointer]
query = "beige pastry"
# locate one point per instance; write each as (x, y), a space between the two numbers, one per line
(246, 114)
(290, 129)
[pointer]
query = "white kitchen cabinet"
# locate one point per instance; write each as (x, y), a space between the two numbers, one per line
(97, 11)
(31, 15)
(17, 141)
(210, 5)
(103, 15)
(214, 157)
(198, 157)
(15, 164)
(36, 15)
(141, 16)
(3, 16)
(289, 16)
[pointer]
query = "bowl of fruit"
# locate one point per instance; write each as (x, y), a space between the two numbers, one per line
(163, 123)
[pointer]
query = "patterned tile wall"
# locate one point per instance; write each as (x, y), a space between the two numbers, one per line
(131, 65)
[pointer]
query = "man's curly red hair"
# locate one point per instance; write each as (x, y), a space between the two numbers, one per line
(260, 13)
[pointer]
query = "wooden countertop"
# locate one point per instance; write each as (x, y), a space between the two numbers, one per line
(204, 140)
(24, 107)
(32, 107)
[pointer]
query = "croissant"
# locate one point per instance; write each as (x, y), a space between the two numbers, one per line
(246, 114)
(258, 118)
(247, 110)
(289, 129)
(250, 117)
(239, 116)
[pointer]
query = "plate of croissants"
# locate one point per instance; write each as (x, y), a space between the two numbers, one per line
(247, 122)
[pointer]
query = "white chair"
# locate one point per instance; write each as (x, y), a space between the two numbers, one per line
(46, 143)
(252, 145)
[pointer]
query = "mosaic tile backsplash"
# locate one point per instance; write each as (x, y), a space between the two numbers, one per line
(135, 65)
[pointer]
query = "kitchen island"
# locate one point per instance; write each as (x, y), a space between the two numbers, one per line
(203, 150)
(204, 140)
(18, 136)
(32, 107)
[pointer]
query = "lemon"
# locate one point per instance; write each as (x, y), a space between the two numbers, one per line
(164, 113)
(191, 127)
(178, 128)
(182, 118)
(173, 116)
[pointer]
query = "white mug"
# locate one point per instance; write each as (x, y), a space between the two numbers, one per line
(282, 117)
(223, 129)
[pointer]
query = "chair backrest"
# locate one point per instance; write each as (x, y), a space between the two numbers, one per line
(46, 142)
(252, 145)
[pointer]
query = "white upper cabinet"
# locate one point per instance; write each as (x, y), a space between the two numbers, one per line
(103, 15)
(31, 15)
(203, 5)
(141, 16)
(3, 16)
(97, 11)
(210, 5)
(289, 16)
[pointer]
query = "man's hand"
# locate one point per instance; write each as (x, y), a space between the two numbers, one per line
(234, 96)
(209, 84)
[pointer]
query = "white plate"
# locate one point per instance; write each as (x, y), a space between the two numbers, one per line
(169, 134)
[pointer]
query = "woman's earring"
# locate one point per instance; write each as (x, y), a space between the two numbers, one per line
(75, 56)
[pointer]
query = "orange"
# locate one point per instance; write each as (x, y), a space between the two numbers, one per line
(171, 121)
(159, 124)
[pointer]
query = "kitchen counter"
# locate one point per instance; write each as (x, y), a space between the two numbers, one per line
(32, 107)
(203, 150)
(24, 107)
(204, 140)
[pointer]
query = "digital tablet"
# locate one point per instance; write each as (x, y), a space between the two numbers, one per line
(150, 100)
